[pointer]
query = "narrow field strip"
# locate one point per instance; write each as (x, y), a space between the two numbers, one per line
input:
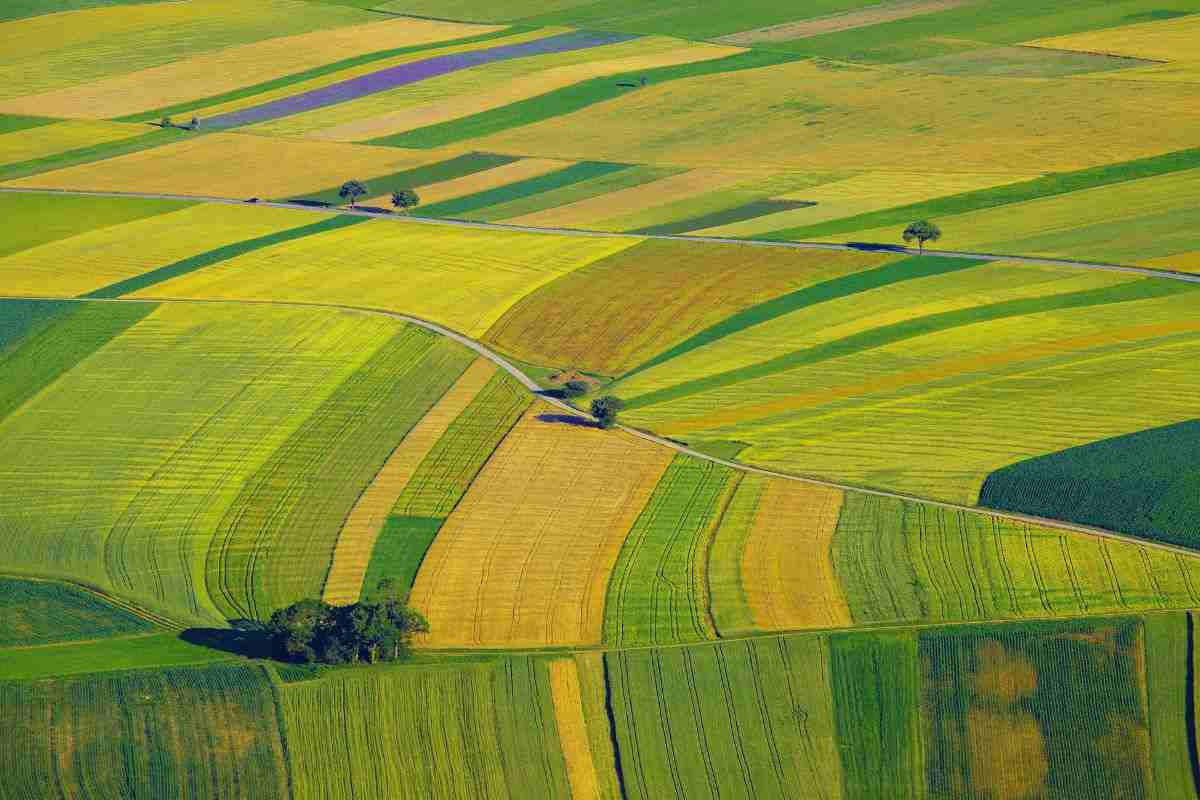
(572, 729)
(45, 141)
(568, 100)
(393, 77)
(417, 177)
(658, 590)
(362, 527)
(727, 216)
(728, 592)
(89, 154)
(526, 556)
(562, 195)
(502, 195)
(875, 14)
(485, 180)
(38, 218)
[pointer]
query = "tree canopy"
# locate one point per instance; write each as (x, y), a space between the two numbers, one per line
(352, 190)
(605, 410)
(312, 630)
(405, 199)
(923, 231)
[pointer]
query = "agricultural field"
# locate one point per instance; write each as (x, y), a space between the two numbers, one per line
(875, 517)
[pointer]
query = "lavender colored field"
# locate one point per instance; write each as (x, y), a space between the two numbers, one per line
(404, 74)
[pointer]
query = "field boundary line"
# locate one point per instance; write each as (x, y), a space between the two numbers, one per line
(581, 232)
(138, 611)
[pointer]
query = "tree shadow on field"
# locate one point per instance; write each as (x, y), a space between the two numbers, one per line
(569, 419)
(248, 642)
(875, 247)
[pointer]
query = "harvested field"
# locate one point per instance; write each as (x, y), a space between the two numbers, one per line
(230, 165)
(526, 556)
(847, 20)
(643, 300)
(361, 528)
(465, 279)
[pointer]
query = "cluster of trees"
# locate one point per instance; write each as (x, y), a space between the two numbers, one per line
(311, 631)
(402, 199)
(606, 408)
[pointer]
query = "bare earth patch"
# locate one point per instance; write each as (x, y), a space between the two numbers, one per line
(860, 18)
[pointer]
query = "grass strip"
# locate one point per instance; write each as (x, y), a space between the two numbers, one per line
(1047, 186)
(570, 99)
(583, 190)
(309, 74)
(448, 170)
(40, 359)
(726, 216)
(202, 260)
(460, 206)
(895, 272)
(89, 154)
(399, 551)
(1143, 289)
(11, 123)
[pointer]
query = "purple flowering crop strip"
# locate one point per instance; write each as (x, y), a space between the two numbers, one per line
(403, 74)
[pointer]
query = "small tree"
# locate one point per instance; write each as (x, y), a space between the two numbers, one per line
(605, 410)
(575, 388)
(166, 123)
(405, 199)
(352, 190)
(195, 123)
(923, 231)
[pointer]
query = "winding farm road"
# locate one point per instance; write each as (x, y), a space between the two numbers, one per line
(534, 387)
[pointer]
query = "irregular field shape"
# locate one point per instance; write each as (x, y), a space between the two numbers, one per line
(464, 96)
(847, 20)
(461, 731)
(872, 118)
(46, 140)
(366, 520)
(88, 261)
(658, 592)
(274, 543)
(210, 732)
(1022, 61)
(41, 612)
(902, 561)
(787, 568)
(229, 165)
(615, 313)
(61, 50)
(216, 72)
(751, 718)
(1013, 711)
(401, 75)
(35, 219)
(526, 556)
(195, 398)
(1163, 40)
(464, 279)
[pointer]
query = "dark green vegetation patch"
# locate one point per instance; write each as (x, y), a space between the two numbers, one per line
(457, 167)
(464, 206)
(727, 216)
(78, 332)
(22, 318)
(569, 99)
(1145, 483)
(398, 553)
(207, 259)
(11, 123)
(41, 612)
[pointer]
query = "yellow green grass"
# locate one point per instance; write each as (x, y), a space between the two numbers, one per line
(47, 140)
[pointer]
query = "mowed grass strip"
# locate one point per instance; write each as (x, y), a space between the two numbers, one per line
(1048, 186)
(751, 718)
(898, 560)
(457, 167)
(568, 100)
(350, 572)
(619, 311)
(209, 731)
(659, 589)
(527, 554)
(34, 219)
(43, 612)
(474, 206)
(465, 730)
(275, 542)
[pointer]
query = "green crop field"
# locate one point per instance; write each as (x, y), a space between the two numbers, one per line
(874, 516)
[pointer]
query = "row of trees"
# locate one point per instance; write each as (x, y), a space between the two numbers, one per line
(402, 199)
(311, 631)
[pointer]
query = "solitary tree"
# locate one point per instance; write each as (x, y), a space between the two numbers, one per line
(405, 199)
(605, 410)
(923, 231)
(575, 388)
(352, 190)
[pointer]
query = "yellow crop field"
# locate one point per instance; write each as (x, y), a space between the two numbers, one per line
(488, 179)
(59, 137)
(787, 566)
(608, 212)
(231, 165)
(572, 729)
(1162, 40)
(463, 278)
(863, 193)
(79, 264)
(54, 51)
(525, 558)
(782, 117)
(1181, 262)
(362, 527)
(1126, 221)
(213, 73)
(469, 92)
